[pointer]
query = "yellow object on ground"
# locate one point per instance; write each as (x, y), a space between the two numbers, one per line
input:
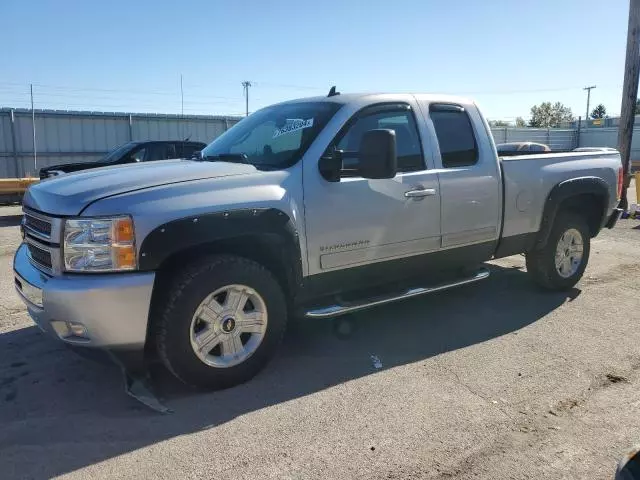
(10, 186)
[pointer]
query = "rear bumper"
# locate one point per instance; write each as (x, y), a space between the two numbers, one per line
(613, 219)
(112, 308)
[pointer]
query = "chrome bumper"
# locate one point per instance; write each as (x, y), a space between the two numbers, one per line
(112, 308)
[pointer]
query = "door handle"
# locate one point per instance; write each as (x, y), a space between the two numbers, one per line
(423, 192)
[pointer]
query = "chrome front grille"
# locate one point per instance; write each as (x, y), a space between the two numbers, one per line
(42, 236)
(41, 226)
(40, 256)
(37, 225)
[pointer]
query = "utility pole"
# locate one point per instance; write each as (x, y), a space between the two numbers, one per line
(246, 85)
(33, 127)
(629, 95)
(181, 110)
(181, 98)
(586, 117)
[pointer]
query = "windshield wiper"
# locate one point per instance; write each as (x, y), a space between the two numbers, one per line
(227, 157)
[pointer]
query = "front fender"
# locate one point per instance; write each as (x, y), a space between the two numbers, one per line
(179, 235)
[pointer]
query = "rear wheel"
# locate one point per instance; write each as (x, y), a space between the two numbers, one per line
(223, 321)
(560, 264)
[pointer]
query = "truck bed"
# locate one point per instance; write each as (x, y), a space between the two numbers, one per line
(528, 180)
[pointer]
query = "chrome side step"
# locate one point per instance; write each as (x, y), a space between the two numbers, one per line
(336, 310)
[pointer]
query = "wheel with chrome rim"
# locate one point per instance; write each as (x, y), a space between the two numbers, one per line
(569, 253)
(228, 326)
(560, 264)
(222, 321)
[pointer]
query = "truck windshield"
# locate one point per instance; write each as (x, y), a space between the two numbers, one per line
(274, 137)
(118, 152)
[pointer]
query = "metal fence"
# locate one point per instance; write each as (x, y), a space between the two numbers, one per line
(65, 136)
(559, 139)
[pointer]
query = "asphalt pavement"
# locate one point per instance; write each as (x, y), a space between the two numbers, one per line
(495, 380)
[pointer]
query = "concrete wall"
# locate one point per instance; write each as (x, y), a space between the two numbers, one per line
(63, 136)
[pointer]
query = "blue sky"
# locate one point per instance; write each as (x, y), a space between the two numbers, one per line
(128, 55)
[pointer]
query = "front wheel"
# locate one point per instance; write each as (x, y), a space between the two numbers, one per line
(560, 264)
(222, 322)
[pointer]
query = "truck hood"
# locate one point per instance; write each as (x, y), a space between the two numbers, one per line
(70, 194)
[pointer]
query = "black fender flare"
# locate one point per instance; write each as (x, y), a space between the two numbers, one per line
(565, 190)
(186, 233)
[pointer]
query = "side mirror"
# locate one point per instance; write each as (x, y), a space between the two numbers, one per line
(377, 155)
(330, 166)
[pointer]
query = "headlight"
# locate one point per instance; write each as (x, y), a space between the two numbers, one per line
(99, 244)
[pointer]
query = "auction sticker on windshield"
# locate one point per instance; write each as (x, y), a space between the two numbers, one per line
(294, 126)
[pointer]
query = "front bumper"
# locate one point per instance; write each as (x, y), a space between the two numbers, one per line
(112, 308)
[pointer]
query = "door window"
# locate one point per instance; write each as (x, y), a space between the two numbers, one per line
(186, 150)
(458, 147)
(160, 151)
(402, 122)
(139, 155)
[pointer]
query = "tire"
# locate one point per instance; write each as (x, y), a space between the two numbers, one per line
(541, 263)
(180, 331)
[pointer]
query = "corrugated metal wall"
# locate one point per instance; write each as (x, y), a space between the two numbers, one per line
(86, 136)
(568, 139)
(608, 137)
(559, 139)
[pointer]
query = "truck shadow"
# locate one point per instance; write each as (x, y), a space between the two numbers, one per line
(50, 398)
(10, 220)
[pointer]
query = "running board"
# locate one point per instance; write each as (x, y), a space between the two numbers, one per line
(336, 310)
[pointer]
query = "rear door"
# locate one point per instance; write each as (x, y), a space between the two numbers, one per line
(470, 179)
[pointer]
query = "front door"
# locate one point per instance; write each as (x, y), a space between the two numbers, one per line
(359, 222)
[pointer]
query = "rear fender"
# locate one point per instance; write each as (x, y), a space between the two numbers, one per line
(562, 193)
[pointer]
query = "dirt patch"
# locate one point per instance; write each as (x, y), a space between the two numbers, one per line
(563, 406)
(620, 272)
(612, 378)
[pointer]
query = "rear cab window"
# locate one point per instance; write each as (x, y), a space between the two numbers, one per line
(456, 138)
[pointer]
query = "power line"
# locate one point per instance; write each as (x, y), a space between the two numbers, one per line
(267, 85)
(110, 90)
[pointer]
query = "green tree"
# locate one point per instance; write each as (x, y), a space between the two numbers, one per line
(550, 115)
(520, 122)
(637, 112)
(601, 112)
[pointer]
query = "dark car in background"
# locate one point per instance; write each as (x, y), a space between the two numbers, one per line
(521, 148)
(131, 152)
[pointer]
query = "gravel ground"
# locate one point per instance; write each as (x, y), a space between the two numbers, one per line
(495, 380)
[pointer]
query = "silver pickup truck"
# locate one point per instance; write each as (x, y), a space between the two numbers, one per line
(310, 208)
